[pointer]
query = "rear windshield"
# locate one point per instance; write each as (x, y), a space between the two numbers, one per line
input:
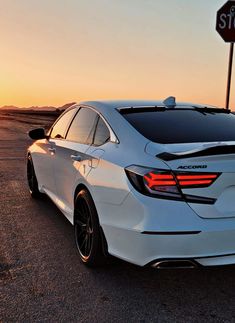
(183, 125)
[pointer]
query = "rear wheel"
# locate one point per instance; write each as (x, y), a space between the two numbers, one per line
(88, 234)
(32, 179)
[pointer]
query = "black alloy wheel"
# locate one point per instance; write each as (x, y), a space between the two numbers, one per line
(84, 230)
(88, 236)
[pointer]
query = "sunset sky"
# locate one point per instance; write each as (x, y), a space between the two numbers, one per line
(56, 51)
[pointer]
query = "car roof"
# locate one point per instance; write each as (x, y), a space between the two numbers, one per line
(106, 106)
(115, 104)
(120, 127)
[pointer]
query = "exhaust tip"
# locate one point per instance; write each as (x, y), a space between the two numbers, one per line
(174, 264)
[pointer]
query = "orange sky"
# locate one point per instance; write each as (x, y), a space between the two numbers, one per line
(54, 52)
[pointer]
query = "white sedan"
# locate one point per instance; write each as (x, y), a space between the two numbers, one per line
(150, 182)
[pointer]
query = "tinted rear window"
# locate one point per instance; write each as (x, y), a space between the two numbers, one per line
(183, 126)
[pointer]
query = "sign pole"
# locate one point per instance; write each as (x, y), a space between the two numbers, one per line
(230, 67)
(225, 26)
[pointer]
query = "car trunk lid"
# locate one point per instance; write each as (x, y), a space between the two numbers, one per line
(204, 158)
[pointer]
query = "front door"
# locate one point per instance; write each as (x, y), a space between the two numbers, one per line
(47, 153)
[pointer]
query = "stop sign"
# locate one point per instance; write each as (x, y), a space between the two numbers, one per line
(225, 23)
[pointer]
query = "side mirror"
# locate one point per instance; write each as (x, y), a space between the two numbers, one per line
(38, 133)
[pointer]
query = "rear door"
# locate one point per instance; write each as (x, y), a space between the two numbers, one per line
(72, 163)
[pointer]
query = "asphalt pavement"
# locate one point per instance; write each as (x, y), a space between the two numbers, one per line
(43, 280)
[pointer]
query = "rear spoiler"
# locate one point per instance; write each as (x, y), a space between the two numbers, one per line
(211, 151)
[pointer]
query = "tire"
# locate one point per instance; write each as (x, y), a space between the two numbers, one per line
(32, 179)
(88, 234)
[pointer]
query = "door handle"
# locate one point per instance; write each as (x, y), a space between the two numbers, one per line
(76, 158)
(52, 150)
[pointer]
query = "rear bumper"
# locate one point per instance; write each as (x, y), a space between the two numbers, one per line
(144, 230)
(204, 248)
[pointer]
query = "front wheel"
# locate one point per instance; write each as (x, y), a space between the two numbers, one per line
(88, 234)
(32, 179)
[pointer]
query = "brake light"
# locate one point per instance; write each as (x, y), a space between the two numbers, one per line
(196, 180)
(155, 180)
(168, 184)
(158, 183)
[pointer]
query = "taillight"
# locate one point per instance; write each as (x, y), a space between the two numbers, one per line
(167, 184)
(192, 180)
(161, 182)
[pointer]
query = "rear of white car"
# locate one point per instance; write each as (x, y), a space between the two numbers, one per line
(195, 220)
(163, 185)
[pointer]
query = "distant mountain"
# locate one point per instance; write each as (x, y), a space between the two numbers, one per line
(7, 107)
(44, 108)
(66, 106)
(47, 108)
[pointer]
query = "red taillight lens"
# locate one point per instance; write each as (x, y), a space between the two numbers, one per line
(156, 181)
(167, 184)
(160, 182)
(195, 180)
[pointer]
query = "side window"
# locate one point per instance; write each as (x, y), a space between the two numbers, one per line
(83, 126)
(60, 127)
(102, 134)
